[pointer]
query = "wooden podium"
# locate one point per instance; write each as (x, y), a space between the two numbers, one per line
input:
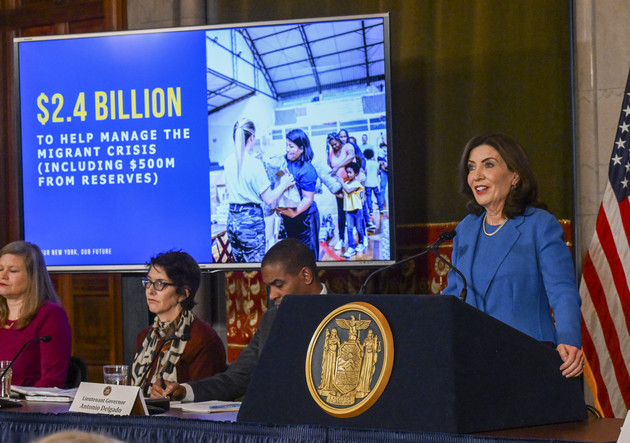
(455, 370)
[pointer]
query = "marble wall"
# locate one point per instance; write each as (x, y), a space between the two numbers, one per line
(166, 13)
(602, 60)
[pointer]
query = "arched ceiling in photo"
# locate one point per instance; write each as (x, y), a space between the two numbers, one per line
(293, 60)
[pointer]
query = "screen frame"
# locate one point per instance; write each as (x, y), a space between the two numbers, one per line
(219, 266)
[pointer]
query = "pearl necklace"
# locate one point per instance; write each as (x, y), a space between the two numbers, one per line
(496, 230)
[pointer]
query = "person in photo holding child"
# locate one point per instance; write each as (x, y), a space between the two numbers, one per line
(338, 156)
(302, 222)
(353, 207)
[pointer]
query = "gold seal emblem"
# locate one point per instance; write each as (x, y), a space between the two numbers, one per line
(350, 359)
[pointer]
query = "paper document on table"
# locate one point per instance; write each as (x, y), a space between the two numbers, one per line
(177, 404)
(28, 391)
(211, 406)
(48, 398)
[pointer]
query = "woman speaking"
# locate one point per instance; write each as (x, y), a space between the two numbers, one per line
(512, 252)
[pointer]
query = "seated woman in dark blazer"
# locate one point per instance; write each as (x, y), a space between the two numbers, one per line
(30, 308)
(189, 349)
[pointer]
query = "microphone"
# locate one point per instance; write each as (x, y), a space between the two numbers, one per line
(464, 292)
(184, 337)
(444, 236)
(45, 339)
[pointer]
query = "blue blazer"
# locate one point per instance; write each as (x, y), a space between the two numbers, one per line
(529, 271)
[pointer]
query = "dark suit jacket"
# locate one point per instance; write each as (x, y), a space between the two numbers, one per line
(233, 382)
(531, 271)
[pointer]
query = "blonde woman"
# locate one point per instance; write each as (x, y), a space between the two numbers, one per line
(30, 309)
(248, 187)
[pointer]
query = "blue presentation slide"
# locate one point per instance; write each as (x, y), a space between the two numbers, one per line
(115, 147)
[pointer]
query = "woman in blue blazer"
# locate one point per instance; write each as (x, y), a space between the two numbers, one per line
(513, 254)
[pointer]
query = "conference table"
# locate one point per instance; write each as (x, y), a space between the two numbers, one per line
(37, 419)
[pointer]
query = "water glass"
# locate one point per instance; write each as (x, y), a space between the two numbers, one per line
(5, 383)
(116, 374)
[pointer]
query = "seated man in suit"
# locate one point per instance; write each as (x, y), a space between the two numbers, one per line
(287, 268)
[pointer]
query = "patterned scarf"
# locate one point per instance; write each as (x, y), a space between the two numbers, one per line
(169, 354)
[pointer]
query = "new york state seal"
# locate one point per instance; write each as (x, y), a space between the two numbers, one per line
(350, 359)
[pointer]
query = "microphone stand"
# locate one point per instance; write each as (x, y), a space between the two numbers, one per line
(464, 292)
(444, 236)
(155, 356)
(45, 339)
(184, 337)
(5, 403)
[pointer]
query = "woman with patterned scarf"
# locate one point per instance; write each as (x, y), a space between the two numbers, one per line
(178, 347)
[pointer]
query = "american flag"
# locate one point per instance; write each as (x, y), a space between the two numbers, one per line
(605, 283)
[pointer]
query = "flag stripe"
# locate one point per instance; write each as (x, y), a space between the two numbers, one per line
(616, 274)
(595, 377)
(605, 287)
(624, 210)
(618, 239)
(604, 335)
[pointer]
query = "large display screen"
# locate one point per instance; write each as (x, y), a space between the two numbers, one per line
(130, 143)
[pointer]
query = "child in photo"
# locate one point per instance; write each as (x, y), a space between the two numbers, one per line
(372, 181)
(353, 207)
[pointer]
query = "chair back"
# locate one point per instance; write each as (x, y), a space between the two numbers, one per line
(77, 372)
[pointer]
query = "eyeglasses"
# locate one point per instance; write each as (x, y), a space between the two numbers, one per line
(157, 285)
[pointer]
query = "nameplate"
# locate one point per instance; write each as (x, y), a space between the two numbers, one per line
(624, 434)
(100, 398)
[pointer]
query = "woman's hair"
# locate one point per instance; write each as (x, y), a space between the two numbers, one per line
(358, 154)
(40, 288)
(300, 138)
(244, 129)
(523, 194)
(332, 136)
(183, 270)
(347, 134)
(76, 436)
